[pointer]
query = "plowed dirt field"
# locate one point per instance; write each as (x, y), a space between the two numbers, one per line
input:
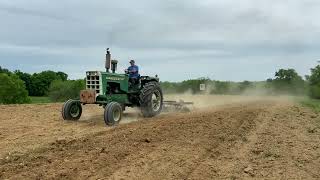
(224, 137)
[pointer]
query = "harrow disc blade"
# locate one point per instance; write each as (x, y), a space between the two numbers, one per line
(177, 106)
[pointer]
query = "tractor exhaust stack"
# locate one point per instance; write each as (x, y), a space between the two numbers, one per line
(108, 60)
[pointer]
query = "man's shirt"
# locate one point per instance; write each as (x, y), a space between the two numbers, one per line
(133, 71)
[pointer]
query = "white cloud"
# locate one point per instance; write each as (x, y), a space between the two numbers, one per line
(199, 38)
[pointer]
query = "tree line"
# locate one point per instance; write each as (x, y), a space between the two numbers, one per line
(17, 86)
(284, 82)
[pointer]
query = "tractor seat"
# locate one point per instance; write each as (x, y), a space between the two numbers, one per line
(135, 81)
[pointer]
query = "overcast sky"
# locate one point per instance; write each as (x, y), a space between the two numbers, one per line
(178, 39)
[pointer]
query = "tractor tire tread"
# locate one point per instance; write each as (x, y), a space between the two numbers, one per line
(66, 108)
(145, 97)
(108, 118)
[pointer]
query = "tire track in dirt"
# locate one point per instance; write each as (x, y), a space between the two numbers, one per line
(226, 166)
(261, 139)
(170, 140)
(282, 146)
(206, 141)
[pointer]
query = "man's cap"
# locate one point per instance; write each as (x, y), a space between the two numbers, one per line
(132, 61)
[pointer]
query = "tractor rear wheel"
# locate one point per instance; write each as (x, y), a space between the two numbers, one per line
(151, 99)
(112, 113)
(71, 110)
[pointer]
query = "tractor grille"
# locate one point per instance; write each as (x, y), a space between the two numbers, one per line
(93, 81)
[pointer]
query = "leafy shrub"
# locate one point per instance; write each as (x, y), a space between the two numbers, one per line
(12, 90)
(314, 82)
(287, 81)
(63, 90)
(314, 91)
(40, 82)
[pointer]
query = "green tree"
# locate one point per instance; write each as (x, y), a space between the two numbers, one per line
(63, 76)
(192, 85)
(64, 90)
(221, 87)
(245, 85)
(12, 90)
(40, 82)
(3, 70)
(314, 82)
(169, 87)
(26, 78)
(288, 81)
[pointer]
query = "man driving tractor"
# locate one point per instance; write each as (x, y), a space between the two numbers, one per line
(133, 71)
(113, 91)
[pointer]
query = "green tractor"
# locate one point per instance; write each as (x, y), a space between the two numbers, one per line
(115, 92)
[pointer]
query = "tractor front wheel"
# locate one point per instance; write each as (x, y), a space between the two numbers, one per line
(71, 110)
(112, 113)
